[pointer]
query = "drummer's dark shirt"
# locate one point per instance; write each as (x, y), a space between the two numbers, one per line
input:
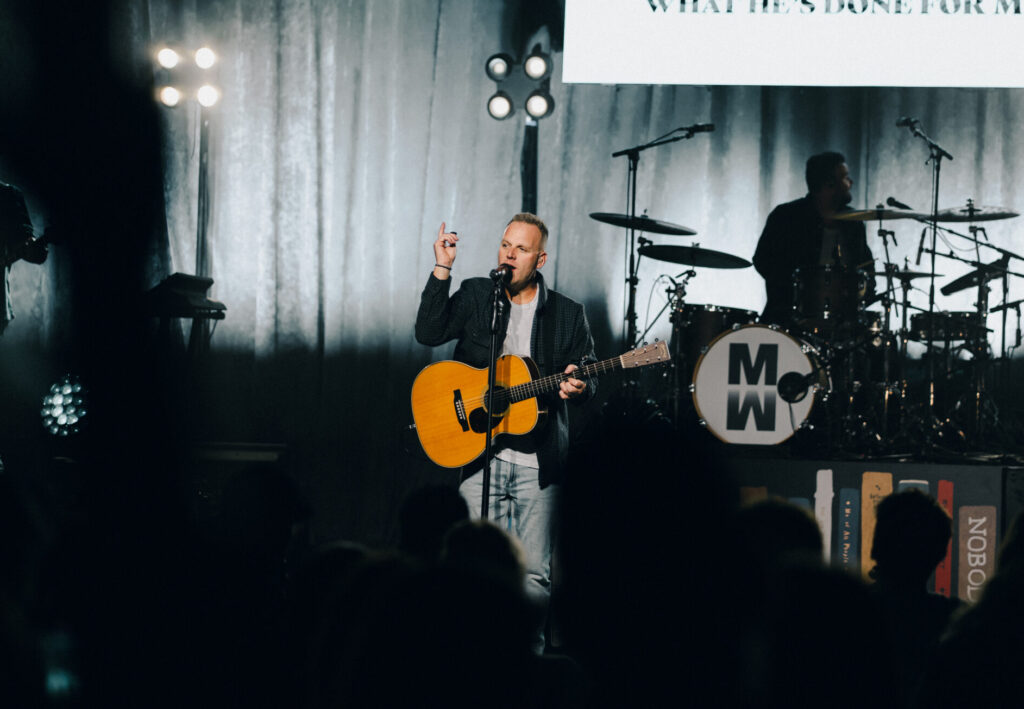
(792, 239)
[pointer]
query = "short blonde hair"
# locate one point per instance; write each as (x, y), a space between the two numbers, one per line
(528, 218)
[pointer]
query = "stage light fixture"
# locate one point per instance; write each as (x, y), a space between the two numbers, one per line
(540, 104)
(167, 58)
(207, 95)
(205, 58)
(537, 66)
(498, 66)
(515, 89)
(169, 96)
(64, 407)
(500, 106)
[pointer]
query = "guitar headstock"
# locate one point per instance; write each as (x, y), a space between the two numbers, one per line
(645, 355)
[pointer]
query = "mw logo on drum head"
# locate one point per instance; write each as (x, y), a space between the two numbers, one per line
(736, 385)
(763, 370)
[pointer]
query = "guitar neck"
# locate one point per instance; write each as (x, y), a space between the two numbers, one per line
(543, 385)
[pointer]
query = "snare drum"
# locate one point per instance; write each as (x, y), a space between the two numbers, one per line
(948, 326)
(695, 325)
(824, 296)
(735, 385)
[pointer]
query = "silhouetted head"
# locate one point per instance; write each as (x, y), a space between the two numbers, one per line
(481, 546)
(911, 535)
(773, 531)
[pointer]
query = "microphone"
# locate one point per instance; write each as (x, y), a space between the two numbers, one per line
(920, 247)
(699, 128)
(906, 122)
(792, 386)
(893, 202)
(502, 273)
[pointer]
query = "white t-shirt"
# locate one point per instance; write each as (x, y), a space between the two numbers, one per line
(517, 342)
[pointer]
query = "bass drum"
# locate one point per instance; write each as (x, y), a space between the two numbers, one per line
(736, 385)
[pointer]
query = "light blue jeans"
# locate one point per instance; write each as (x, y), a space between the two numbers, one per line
(519, 506)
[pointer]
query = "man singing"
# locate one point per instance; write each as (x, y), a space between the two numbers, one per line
(540, 323)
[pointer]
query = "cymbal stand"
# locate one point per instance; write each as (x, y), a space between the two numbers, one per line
(936, 153)
(886, 341)
(633, 156)
(676, 299)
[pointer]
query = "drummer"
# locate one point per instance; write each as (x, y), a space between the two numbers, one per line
(803, 233)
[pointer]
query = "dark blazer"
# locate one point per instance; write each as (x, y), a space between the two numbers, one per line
(466, 317)
(792, 239)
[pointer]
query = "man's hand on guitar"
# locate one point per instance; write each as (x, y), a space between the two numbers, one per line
(444, 252)
(571, 388)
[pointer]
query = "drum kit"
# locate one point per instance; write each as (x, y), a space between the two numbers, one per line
(838, 376)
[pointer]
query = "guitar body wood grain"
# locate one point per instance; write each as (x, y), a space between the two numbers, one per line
(448, 406)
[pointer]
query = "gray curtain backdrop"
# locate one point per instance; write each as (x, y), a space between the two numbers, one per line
(348, 131)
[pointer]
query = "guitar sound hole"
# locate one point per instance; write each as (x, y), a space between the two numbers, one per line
(478, 416)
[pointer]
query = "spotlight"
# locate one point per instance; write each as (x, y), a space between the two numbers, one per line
(167, 58)
(537, 66)
(498, 66)
(500, 106)
(207, 95)
(64, 407)
(540, 104)
(205, 58)
(169, 96)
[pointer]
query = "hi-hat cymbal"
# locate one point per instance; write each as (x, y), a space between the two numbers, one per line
(693, 256)
(643, 223)
(905, 275)
(975, 213)
(867, 215)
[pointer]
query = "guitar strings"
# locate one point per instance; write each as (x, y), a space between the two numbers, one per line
(532, 388)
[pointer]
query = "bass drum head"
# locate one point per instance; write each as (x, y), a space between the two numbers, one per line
(735, 385)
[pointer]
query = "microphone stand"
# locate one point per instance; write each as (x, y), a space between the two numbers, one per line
(497, 312)
(633, 156)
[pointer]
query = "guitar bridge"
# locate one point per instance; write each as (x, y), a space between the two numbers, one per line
(460, 410)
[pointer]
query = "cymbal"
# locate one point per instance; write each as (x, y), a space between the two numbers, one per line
(867, 215)
(983, 274)
(906, 275)
(693, 256)
(975, 213)
(1004, 306)
(643, 223)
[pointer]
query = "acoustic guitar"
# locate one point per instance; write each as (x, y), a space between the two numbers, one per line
(449, 400)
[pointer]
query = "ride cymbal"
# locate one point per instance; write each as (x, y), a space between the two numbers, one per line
(975, 213)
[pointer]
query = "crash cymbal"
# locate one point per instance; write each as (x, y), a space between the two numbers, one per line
(983, 274)
(643, 223)
(693, 256)
(867, 215)
(975, 213)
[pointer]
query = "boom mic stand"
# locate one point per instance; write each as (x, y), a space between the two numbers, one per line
(633, 155)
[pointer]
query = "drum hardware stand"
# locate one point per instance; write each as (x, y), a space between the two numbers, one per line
(633, 156)
(936, 153)
(886, 321)
(677, 296)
